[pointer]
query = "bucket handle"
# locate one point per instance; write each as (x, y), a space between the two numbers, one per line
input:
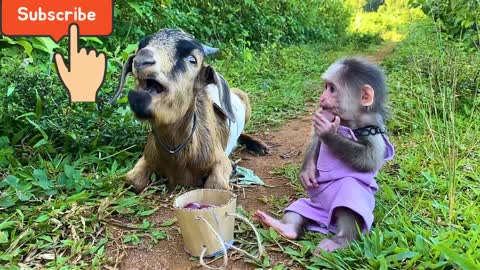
(219, 238)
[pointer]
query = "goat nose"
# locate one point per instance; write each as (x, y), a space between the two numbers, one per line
(144, 59)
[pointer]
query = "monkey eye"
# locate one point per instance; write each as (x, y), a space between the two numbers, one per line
(192, 59)
(329, 87)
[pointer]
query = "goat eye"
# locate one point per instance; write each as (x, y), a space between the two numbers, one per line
(192, 59)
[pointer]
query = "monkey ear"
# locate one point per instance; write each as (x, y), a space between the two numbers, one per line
(367, 95)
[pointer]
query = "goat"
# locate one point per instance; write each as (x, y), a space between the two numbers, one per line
(196, 119)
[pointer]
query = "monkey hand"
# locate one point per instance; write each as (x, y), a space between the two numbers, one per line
(308, 176)
(323, 126)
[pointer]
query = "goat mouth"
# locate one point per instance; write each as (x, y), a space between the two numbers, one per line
(152, 86)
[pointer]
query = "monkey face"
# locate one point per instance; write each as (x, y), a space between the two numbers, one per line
(165, 68)
(337, 98)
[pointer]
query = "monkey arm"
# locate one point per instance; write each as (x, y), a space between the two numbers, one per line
(364, 155)
(311, 154)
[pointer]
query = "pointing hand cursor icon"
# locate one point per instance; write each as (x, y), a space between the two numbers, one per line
(85, 72)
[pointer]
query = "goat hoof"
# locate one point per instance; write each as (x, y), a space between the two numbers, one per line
(258, 147)
(136, 185)
(254, 145)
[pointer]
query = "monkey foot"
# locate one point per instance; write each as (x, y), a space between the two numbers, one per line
(331, 244)
(289, 231)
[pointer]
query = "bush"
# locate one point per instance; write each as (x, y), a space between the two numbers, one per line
(36, 113)
(389, 20)
(235, 23)
(458, 19)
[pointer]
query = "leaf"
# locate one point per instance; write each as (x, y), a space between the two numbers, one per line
(22, 196)
(10, 89)
(70, 172)
(266, 262)
(147, 212)
(131, 238)
(403, 255)
(93, 39)
(6, 202)
(46, 238)
(169, 222)
(42, 218)
(428, 176)
(12, 181)
(7, 224)
(38, 128)
(99, 245)
(40, 143)
(460, 259)
(159, 234)
(44, 44)
(27, 47)
(273, 234)
(136, 7)
(145, 224)
(292, 252)
(130, 48)
(3, 237)
(279, 267)
(4, 141)
(42, 178)
(38, 105)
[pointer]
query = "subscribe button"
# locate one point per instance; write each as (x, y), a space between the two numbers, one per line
(53, 17)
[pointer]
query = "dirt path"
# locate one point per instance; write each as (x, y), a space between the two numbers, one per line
(287, 143)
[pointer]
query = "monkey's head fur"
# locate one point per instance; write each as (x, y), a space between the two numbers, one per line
(169, 72)
(347, 79)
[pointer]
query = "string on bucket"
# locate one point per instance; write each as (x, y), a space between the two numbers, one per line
(204, 248)
(223, 244)
(257, 235)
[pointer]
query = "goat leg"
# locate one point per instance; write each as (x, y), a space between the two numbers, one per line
(139, 177)
(220, 175)
(256, 146)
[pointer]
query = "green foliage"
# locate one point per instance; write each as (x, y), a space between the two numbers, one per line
(234, 23)
(388, 20)
(457, 19)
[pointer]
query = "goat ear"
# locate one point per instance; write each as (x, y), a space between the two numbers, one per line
(207, 50)
(205, 77)
(127, 68)
(225, 99)
(220, 94)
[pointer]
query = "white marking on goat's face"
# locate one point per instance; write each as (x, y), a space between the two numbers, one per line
(166, 66)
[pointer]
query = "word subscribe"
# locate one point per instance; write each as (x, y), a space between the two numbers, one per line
(77, 15)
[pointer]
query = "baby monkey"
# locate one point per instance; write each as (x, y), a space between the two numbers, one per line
(348, 147)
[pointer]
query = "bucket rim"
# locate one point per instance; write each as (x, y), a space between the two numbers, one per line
(233, 197)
